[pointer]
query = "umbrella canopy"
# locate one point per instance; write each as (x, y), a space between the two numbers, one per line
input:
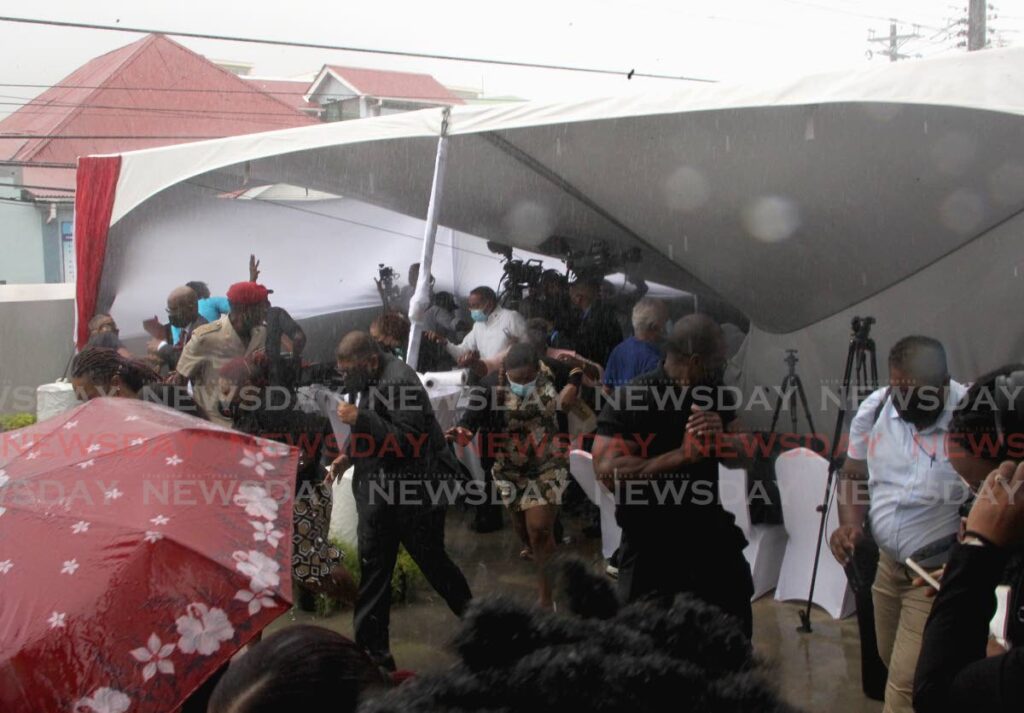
(139, 549)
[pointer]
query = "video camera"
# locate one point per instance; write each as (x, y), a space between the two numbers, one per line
(386, 284)
(519, 278)
(593, 262)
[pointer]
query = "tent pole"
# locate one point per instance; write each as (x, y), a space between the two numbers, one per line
(420, 301)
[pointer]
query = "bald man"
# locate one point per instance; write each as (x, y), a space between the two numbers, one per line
(402, 463)
(657, 447)
(182, 313)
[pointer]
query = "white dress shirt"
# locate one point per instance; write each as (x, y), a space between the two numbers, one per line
(493, 336)
(915, 492)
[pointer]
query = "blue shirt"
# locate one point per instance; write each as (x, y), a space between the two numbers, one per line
(629, 360)
(915, 492)
(210, 308)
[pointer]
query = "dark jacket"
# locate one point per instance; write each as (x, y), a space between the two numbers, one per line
(953, 673)
(396, 433)
(598, 333)
(170, 353)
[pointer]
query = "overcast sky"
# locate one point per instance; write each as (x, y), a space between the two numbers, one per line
(728, 40)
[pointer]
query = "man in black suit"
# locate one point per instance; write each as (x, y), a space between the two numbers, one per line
(404, 471)
(183, 313)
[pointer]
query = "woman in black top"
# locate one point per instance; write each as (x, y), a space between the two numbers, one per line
(954, 672)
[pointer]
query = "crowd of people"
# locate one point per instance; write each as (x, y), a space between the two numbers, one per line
(548, 373)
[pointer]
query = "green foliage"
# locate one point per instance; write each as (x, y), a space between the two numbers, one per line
(16, 420)
(404, 581)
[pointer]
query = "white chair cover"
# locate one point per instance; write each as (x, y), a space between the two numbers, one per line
(801, 475)
(581, 465)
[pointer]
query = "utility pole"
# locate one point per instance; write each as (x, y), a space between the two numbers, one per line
(894, 40)
(976, 16)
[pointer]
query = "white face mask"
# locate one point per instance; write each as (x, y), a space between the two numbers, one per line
(522, 390)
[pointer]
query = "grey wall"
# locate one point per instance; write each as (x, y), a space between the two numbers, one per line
(35, 346)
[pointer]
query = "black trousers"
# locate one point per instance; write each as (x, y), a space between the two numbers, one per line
(383, 526)
(659, 564)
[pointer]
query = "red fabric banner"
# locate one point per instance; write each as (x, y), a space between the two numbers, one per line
(94, 202)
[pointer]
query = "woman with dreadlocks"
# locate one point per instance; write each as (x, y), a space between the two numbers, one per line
(98, 371)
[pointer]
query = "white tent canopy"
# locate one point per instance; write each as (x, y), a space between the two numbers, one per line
(795, 203)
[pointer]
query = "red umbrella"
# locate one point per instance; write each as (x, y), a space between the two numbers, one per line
(139, 549)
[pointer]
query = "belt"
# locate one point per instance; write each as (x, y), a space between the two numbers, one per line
(935, 553)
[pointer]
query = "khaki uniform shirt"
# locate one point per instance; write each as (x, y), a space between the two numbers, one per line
(210, 348)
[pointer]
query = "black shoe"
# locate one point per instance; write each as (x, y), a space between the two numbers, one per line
(384, 661)
(305, 600)
(488, 519)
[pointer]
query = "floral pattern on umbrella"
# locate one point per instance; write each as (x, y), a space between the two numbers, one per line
(173, 550)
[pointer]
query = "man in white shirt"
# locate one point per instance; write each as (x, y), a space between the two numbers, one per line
(912, 497)
(495, 329)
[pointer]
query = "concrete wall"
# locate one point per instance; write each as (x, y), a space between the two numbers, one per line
(21, 244)
(36, 324)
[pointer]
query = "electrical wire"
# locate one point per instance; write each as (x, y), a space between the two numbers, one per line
(342, 48)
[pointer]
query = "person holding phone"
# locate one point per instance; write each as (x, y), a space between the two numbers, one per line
(959, 668)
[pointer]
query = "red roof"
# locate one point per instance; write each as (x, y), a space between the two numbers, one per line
(151, 88)
(290, 92)
(385, 84)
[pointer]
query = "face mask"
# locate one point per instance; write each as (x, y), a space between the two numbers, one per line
(355, 379)
(394, 351)
(713, 377)
(478, 315)
(178, 320)
(522, 390)
(919, 408)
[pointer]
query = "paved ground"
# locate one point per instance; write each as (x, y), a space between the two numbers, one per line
(818, 671)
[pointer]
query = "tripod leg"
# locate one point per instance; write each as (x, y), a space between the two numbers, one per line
(851, 360)
(803, 401)
(778, 404)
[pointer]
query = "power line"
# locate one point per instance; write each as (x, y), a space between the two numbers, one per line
(854, 13)
(112, 137)
(184, 110)
(29, 186)
(343, 48)
(176, 116)
(40, 164)
(193, 90)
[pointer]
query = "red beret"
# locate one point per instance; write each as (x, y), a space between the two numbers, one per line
(242, 294)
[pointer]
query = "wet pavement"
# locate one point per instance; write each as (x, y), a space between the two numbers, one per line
(817, 672)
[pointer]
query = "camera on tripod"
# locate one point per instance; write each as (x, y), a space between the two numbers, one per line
(861, 327)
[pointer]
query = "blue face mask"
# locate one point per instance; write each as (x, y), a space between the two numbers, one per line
(522, 390)
(478, 315)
